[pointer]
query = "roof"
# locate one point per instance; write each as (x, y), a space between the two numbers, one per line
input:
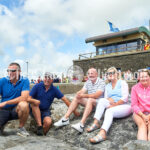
(118, 34)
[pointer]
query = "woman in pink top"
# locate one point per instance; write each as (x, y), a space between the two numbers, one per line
(140, 99)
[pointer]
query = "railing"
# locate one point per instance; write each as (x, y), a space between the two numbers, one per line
(112, 51)
(87, 55)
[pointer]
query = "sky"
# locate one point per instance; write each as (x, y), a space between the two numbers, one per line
(47, 35)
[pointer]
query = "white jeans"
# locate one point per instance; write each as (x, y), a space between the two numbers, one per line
(119, 111)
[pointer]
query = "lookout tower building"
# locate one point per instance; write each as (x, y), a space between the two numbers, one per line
(126, 50)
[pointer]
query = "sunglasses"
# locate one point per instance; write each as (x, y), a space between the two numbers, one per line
(11, 70)
(110, 73)
(48, 77)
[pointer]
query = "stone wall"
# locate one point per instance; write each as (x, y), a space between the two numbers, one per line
(125, 61)
(69, 88)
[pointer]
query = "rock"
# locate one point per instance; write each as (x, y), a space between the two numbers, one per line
(137, 145)
(13, 142)
(121, 136)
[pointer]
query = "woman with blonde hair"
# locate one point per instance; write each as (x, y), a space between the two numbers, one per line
(140, 100)
(114, 101)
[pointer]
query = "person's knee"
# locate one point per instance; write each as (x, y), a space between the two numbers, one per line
(47, 122)
(91, 101)
(141, 124)
(108, 112)
(101, 102)
(76, 100)
(23, 106)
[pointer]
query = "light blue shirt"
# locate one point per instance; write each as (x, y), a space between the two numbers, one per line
(116, 93)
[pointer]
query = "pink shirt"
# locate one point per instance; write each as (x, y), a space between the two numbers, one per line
(140, 98)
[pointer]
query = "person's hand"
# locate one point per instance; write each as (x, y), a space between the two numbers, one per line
(146, 119)
(2, 104)
(36, 102)
(79, 95)
(113, 105)
(111, 101)
(33, 101)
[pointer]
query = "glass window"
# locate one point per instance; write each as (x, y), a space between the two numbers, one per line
(132, 46)
(120, 47)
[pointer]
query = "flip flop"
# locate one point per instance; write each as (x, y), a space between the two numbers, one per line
(92, 128)
(97, 139)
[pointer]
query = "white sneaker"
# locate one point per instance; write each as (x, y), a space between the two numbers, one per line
(61, 122)
(22, 132)
(78, 126)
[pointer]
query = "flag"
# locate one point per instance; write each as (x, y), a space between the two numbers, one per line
(112, 27)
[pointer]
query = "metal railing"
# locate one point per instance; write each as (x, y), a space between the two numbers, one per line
(112, 51)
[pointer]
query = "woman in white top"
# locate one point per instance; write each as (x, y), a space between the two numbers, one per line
(114, 101)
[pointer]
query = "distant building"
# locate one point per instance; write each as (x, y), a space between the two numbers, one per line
(123, 49)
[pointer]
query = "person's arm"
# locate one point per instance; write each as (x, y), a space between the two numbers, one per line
(134, 101)
(82, 91)
(33, 101)
(146, 118)
(124, 91)
(124, 98)
(94, 95)
(120, 102)
(23, 97)
(67, 102)
(33, 94)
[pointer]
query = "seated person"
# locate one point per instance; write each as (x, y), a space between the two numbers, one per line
(95, 88)
(14, 90)
(140, 102)
(41, 98)
(114, 101)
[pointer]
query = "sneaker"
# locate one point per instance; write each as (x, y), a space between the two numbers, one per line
(40, 131)
(79, 127)
(22, 132)
(61, 122)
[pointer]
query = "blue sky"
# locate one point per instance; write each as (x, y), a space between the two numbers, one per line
(49, 34)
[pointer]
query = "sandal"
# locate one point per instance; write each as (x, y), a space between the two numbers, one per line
(96, 139)
(92, 128)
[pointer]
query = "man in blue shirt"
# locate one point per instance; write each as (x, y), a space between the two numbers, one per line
(45, 92)
(14, 91)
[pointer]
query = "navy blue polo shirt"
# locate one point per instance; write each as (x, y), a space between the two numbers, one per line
(8, 91)
(45, 97)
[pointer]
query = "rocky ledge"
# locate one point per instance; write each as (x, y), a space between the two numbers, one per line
(121, 136)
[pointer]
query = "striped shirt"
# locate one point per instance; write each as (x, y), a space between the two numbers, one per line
(91, 88)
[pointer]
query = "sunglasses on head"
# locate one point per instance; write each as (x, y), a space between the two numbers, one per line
(11, 70)
(143, 70)
(110, 73)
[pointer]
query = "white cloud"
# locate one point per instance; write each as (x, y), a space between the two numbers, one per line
(20, 50)
(86, 16)
(38, 24)
(6, 58)
(10, 31)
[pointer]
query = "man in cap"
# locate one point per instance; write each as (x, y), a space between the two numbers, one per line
(45, 93)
